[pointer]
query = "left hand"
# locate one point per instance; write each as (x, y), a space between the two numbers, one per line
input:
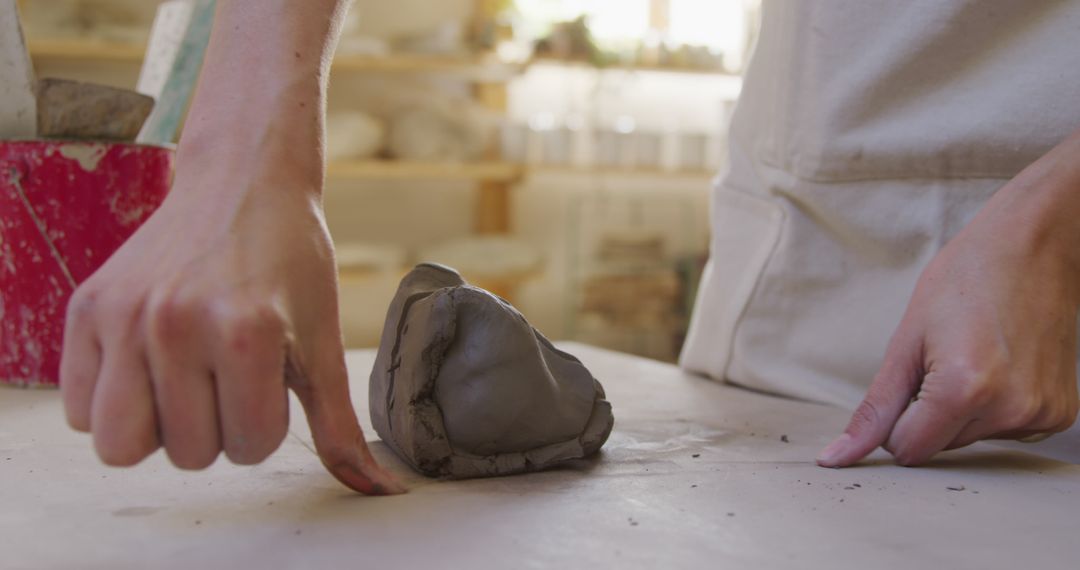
(987, 347)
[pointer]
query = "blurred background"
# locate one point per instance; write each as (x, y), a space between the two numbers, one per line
(557, 152)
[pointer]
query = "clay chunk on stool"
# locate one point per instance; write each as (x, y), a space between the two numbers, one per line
(87, 111)
(464, 387)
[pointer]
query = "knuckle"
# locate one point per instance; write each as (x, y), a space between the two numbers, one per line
(192, 459)
(1058, 416)
(77, 419)
(864, 417)
(1069, 413)
(906, 455)
(898, 449)
(253, 449)
(169, 316)
(335, 456)
(971, 386)
(247, 452)
(1023, 412)
(905, 459)
(122, 439)
(116, 454)
(75, 392)
(82, 304)
(117, 307)
(244, 326)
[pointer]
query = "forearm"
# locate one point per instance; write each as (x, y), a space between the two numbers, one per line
(261, 95)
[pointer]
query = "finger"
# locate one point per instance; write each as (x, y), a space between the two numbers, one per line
(927, 427)
(183, 388)
(80, 363)
(975, 430)
(339, 440)
(888, 396)
(122, 412)
(967, 437)
(249, 364)
(1007, 423)
(978, 430)
(972, 434)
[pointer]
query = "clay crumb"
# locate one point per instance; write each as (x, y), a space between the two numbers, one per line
(693, 486)
(696, 455)
(784, 438)
(631, 521)
(731, 514)
(198, 522)
(956, 488)
(856, 485)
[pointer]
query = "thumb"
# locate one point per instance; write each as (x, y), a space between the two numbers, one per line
(339, 441)
(894, 385)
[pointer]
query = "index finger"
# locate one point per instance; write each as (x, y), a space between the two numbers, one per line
(873, 421)
(339, 440)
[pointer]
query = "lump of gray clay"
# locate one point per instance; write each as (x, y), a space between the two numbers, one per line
(464, 387)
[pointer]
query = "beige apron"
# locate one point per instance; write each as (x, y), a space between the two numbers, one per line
(868, 133)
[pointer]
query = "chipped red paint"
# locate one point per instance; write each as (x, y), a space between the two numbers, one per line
(65, 207)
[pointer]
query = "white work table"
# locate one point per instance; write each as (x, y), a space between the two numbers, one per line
(695, 475)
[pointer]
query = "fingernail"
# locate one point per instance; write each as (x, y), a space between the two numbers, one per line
(832, 452)
(388, 484)
(394, 487)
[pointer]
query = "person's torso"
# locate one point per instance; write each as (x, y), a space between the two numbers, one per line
(867, 134)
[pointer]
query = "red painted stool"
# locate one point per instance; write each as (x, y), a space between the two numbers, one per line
(65, 207)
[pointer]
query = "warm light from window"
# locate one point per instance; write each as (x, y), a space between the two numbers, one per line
(714, 23)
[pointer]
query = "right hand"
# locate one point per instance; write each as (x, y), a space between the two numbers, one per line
(189, 335)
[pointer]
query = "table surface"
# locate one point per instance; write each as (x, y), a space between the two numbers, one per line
(696, 474)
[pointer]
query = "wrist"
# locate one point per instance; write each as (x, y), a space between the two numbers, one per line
(275, 135)
(1039, 210)
(258, 112)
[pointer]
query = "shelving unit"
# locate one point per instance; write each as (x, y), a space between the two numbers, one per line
(614, 172)
(489, 171)
(79, 50)
(477, 68)
(492, 176)
(474, 67)
(634, 67)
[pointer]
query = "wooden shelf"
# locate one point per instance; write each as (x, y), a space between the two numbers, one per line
(715, 72)
(77, 50)
(490, 171)
(487, 171)
(481, 68)
(615, 171)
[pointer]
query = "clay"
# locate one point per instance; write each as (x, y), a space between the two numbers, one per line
(75, 110)
(464, 387)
